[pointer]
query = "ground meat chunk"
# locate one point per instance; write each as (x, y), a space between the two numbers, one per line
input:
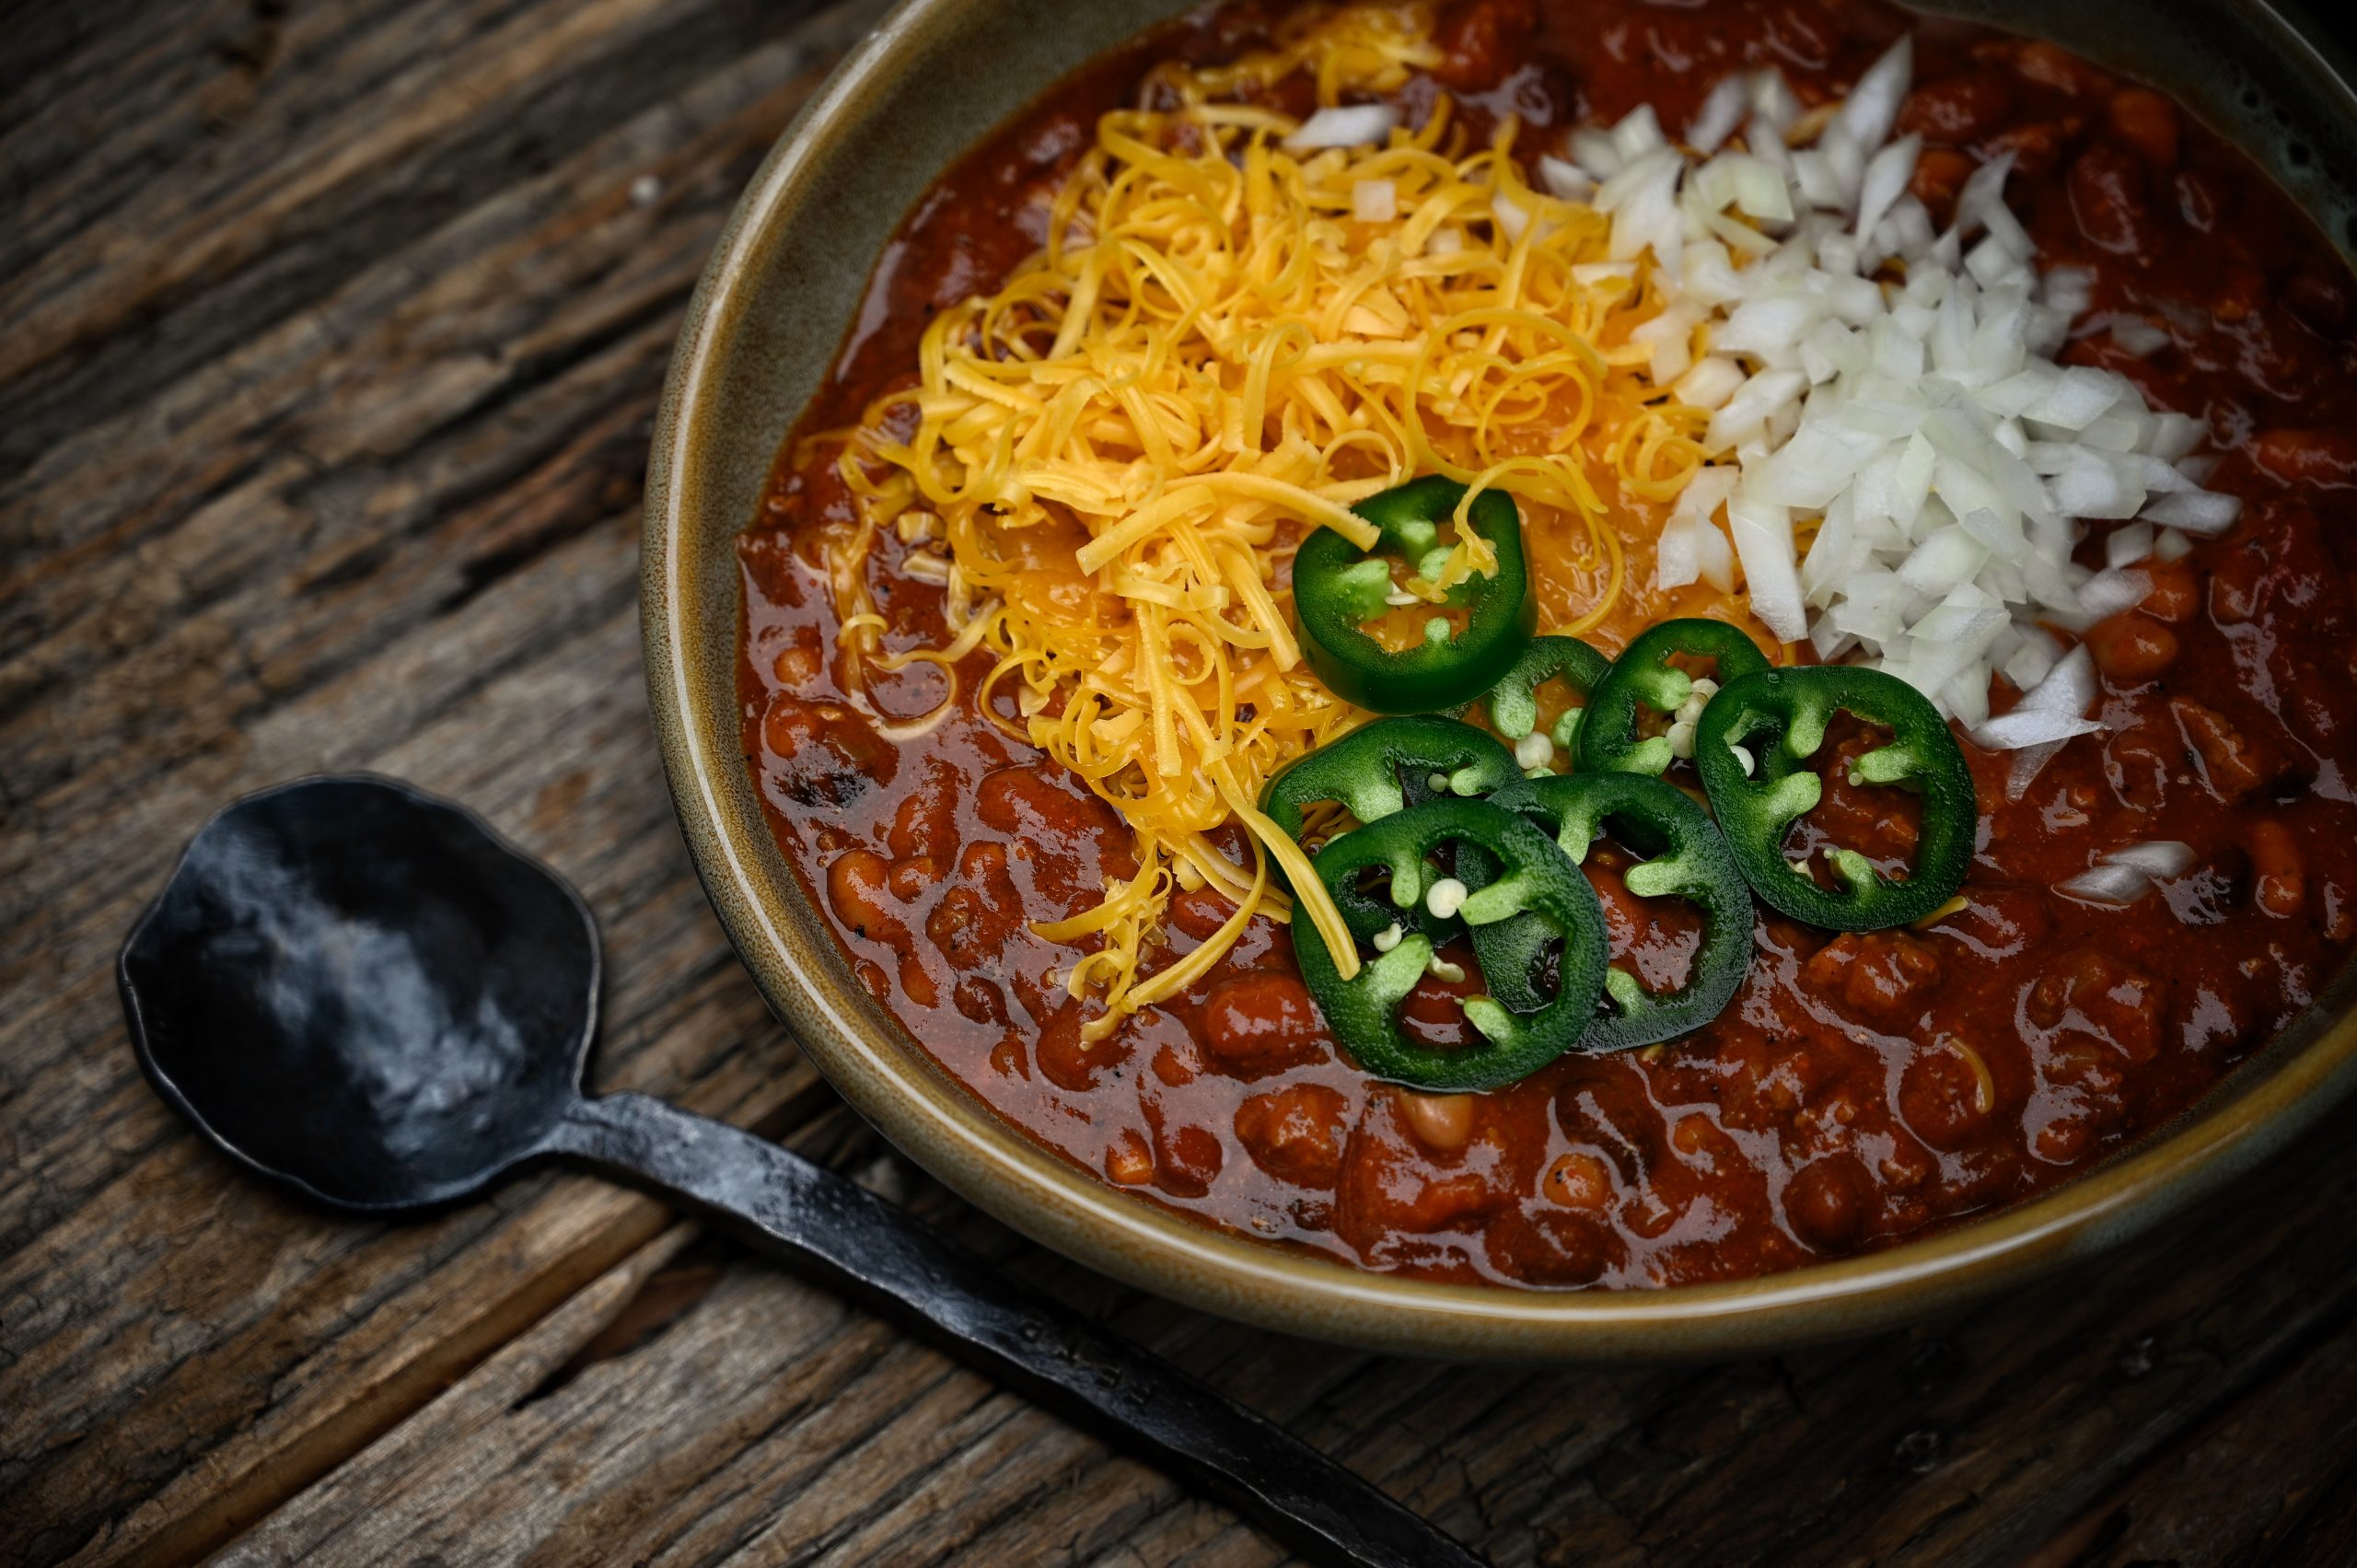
(2090, 994)
(1877, 976)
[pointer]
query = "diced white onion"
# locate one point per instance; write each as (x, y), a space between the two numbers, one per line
(1873, 106)
(1349, 126)
(2127, 545)
(2158, 858)
(2109, 592)
(2125, 875)
(2196, 511)
(2108, 883)
(1721, 113)
(2024, 727)
(1565, 181)
(1898, 385)
(2068, 689)
(1375, 201)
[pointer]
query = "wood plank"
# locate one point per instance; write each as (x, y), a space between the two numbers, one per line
(2248, 1487)
(360, 490)
(1967, 1441)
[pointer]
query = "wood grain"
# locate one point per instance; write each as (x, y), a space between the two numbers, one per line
(332, 329)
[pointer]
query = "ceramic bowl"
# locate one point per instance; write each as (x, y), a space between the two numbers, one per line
(761, 330)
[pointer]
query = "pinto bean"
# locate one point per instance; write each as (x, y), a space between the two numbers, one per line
(797, 664)
(2176, 594)
(2037, 147)
(1578, 1180)
(2279, 876)
(1026, 804)
(2139, 761)
(910, 879)
(1297, 1133)
(2051, 65)
(2131, 647)
(975, 918)
(858, 890)
(982, 1002)
(1702, 1141)
(826, 754)
(1829, 1201)
(1481, 40)
(925, 822)
(1440, 1121)
(2235, 583)
(1200, 913)
(1946, 1095)
(1127, 1162)
(1187, 1159)
(2231, 766)
(1072, 1063)
(1259, 1023)
(2147, 122)
(2064, 1140)
(2110, 199)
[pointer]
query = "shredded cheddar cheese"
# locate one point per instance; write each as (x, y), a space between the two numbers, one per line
(1225, 345)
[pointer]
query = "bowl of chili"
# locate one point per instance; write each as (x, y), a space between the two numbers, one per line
(758, 359)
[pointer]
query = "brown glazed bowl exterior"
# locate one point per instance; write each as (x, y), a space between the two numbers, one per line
(761, 330)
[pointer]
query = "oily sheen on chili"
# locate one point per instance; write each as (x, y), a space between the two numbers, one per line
(1861, 1088)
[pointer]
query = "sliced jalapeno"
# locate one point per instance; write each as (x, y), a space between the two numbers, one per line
(1535, 879)
(1643, 673)
(1695, 864)
(1514, 701)
(1780, 716)
(1384, 766)
(1337, 588)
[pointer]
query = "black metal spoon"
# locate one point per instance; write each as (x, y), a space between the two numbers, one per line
(361, 990)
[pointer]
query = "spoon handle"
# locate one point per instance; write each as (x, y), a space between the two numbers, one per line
(877, 1253)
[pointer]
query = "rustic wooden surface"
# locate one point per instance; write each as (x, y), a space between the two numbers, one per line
(329, 335)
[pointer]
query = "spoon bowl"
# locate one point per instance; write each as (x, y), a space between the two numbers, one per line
(364, 991)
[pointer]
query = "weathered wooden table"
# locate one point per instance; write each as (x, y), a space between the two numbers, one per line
(329, 337)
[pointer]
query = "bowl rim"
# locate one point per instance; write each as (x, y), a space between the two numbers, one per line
(2266, 1101)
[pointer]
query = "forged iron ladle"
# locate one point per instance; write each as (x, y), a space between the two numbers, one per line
(361, 990)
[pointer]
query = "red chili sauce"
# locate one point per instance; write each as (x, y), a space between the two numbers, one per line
(1827, 1110)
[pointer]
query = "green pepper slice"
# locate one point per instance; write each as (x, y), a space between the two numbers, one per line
(1643, 673)
(1536, 879)
(1514, 701)
(1778, 716)
(1337, 588)
(1696, 864)
(1385, 766)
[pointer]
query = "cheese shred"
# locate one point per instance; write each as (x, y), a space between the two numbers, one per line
(1215, 352)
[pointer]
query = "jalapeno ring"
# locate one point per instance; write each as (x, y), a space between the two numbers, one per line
(1337, 588)
(1535, 879)
(1780, 716)
(1695, 864)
